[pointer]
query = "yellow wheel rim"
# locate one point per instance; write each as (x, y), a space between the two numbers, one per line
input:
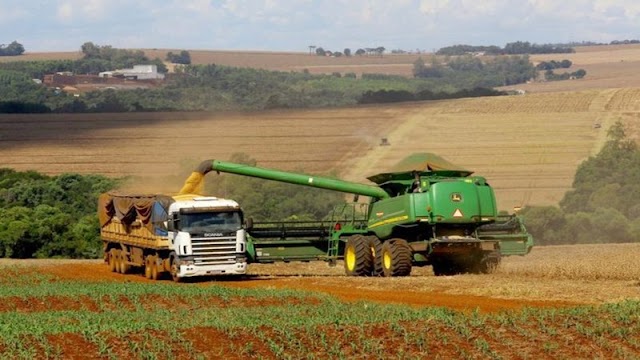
(386, 260)
(350, 258)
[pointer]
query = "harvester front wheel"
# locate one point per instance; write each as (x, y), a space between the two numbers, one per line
(396, 258)
(113, 260)
(358, 258)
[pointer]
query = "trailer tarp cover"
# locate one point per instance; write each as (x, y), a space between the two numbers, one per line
(152, 210)
(421, 163)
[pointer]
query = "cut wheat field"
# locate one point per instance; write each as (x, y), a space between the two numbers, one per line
(528, 146)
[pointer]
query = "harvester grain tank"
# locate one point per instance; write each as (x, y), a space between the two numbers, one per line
(186, 235)
(424, 211)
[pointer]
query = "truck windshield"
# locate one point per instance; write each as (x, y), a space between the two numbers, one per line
(210, 221)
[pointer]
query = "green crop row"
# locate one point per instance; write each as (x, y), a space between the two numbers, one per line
(336, 329)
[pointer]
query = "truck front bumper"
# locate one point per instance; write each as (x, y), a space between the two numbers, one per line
(210, 270)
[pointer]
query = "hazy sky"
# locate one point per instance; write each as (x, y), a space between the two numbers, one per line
(293, 25)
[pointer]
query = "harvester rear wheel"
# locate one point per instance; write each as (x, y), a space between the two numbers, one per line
(445, 267)
(149, 264)
(113, 260)
(358, 258)
(396, 258)
(488, 263)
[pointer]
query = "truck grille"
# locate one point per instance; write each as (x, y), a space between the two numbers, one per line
(214, 250)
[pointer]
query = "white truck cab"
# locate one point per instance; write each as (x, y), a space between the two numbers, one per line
(206, 236)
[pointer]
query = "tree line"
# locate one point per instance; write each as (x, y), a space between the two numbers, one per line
(55, 216)
(512, 48)
(219, 88)
(603, 206)
(473, 71)
(13, 49)
(50, 216)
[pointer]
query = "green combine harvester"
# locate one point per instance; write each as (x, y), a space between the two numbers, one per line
(424, 211)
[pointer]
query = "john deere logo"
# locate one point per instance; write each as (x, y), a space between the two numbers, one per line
(455, 197)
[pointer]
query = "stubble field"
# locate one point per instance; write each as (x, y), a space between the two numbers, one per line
(558, 302)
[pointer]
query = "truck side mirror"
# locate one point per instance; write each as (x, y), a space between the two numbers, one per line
(173, 223)
(248, 223)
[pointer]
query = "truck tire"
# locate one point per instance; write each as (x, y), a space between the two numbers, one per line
(375, 246)
(149, 264)
(174, 271)
(396, 258)
(358, 259)
(113, 260)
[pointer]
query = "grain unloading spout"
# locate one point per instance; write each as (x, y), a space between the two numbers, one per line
(194, 182)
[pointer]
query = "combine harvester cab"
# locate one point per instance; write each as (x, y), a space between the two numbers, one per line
(186, 235)
(424, 211)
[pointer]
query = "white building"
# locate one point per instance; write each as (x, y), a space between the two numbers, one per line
(139, 72)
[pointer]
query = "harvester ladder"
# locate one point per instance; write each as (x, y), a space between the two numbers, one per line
(345, 219)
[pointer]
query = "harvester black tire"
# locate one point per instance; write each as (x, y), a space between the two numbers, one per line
(488, 263)
(113, 260)
(396, 258)
(358, 258)
(445, 267)
(149, 264)
(375, 246)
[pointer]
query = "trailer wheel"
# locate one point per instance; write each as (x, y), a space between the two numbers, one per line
(375, 246)
(154, 268)
(396, 258)
(149, 264)
(124, 267)
(113, 260)
(358, 259)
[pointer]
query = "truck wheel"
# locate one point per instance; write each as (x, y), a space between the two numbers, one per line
(375, 246)
(124, 267)
(174, 271)
(113, 260)
(148, 266)
(358, 259)
(396, 258)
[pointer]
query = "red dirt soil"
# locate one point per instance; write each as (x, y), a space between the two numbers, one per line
(332, 285)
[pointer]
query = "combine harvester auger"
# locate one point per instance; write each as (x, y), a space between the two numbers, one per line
(424, 211)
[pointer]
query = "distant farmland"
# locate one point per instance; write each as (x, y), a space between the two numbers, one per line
(527, 146)
(607, 66)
